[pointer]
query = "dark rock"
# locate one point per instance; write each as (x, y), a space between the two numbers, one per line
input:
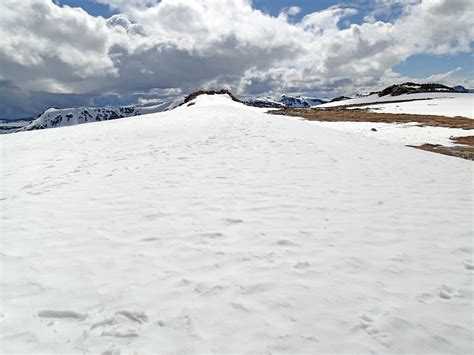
(413, 88)
(340, 98)
(195, 94)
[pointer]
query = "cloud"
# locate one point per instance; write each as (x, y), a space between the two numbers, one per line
(293, 10)
(151, 47)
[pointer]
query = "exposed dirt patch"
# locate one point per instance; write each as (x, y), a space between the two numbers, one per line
(339, 114)
(468, 140)
(460, 151)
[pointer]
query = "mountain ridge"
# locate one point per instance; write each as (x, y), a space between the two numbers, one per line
(55, 117)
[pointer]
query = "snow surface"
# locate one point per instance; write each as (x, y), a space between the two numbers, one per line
(406, 133)
(444, 104)
(448, 104)
(217, 228)
(460, 105)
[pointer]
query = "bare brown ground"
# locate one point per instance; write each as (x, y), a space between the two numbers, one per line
(469, 140)
(464, 151)
(358, 115)
(464, 148)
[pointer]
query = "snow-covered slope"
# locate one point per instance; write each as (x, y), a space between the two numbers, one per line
(217, 228)
(451, 106)
(72, 116)
(445, 104)
(402, 133)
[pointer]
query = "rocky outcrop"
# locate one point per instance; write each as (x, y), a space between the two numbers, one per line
(195, 94)
(340, 98)
(413, 88)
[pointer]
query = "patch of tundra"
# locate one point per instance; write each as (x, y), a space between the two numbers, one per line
(217, 228)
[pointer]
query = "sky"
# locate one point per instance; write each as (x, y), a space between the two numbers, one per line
(69, 53)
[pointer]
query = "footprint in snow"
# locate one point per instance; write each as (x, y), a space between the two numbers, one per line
(286, 242)
(150, 239)
(122, 324)
(212, 235)
(301, 265)
(446, 292)
(239, 306)
(443, 292)
(368, 322)
(232, 221)
(469, 265)
(207, 289)
(48, 313)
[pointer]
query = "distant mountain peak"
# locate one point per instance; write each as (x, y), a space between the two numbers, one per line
(54, 117)
(285, 101)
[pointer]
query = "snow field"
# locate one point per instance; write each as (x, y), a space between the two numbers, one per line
(217, 228)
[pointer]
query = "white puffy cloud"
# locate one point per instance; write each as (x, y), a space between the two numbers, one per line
(151, 46)
(39, 34)
(291, 11)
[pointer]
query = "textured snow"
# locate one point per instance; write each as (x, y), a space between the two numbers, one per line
(459, 105)
(406, 133)
(217, 228)
(444, 104)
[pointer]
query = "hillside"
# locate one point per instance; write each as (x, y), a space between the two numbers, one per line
(217, 228)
